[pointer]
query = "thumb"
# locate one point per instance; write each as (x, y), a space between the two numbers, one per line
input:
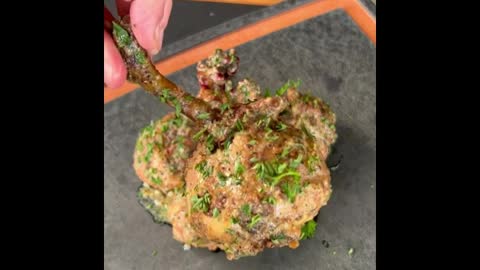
(148, 19)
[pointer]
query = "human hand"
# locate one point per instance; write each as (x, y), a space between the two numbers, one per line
(148, 19)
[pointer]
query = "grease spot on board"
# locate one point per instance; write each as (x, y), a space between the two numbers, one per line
(332, 83)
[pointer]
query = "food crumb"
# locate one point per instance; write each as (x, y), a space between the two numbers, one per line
(211, 14)
(351, 251)
(186, 247)
(154, 253)
(334, 253)
(371, 186)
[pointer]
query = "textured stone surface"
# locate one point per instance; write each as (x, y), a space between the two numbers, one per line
(337, 63)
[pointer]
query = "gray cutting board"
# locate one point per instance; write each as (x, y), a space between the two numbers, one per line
(333, 59)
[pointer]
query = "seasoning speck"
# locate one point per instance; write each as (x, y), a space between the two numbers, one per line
(351, 251)
(325, 243)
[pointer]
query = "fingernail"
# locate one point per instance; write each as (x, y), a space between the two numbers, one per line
(158, 36)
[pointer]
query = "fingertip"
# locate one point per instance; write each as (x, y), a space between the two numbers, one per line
(149, 18)
(114, 70)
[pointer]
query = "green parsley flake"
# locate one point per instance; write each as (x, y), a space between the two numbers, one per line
(308, 230)
(201, 203)
(203, 116)
(215, 212)
(254, 221)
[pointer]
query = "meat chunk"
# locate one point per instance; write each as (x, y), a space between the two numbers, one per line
(270, 179)
(248, 181)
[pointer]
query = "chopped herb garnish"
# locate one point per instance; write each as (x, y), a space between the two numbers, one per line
(201, 203)
(227, 142)
(288, 85)
(215, 212)
(267, 93)
(154, 253)
(178, 108)
(177, 121)
(156, 180)
(294, 164)
(140, 57)
(254, 221)
(273, 172)
(180, 150)
(252, 142)
(210, 143)
(148, 130)
(238, 168)
(264, 121)
(306, 98)
(269, 137)
(149, 152)
(253, 160)
(224, 107)
(306, 131)
(180, 140)
(277, 179)
(291, 189)
(204, 169)
(312, 162)
(139, 146)
(281, 126)
(199, 134)
(308, 230)
(165, 95)
(239, 125)
(122, 36)
(222, 178)
(351, 251)
(276, 238)
(234, 220)
(270, 200)
(203, 116)
(246, 209)
(285, 151)
(281, 168)
(152, 171)
(165, 128)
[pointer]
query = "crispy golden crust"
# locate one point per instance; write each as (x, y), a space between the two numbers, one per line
(255, 189)
(230, 189)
